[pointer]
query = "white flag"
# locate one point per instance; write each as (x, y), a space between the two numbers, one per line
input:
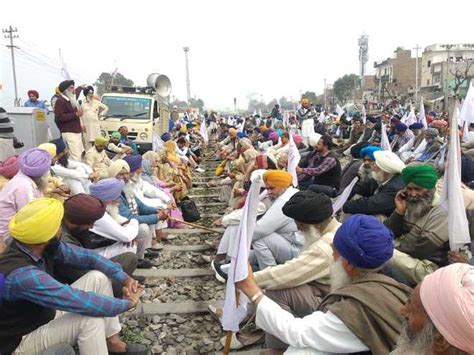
(157, 142)
(411, 118)
(339, 110)
(467, 109)
(364, 114)
(384, 142)
(203, 131)
(404, 118)
(458, 225)
(294, 158)
(342, 198)
(233, 314)
(422, 114)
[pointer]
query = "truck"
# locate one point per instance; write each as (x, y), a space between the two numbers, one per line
(143, 110)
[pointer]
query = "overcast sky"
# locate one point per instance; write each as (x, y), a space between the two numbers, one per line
(237, 47)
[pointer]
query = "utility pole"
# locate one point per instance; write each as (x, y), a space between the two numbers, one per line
(188, 82)
(416, 74)
(325, 94)
(10, 35)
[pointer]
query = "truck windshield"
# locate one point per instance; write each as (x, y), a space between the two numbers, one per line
(127, 107)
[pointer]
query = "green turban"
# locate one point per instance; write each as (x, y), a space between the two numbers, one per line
(421, 175)
(116, 135)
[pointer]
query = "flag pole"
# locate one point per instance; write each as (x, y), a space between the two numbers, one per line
(228, 334)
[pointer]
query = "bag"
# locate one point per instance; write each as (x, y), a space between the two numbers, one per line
(91, 240)
(220, 169)
(190, 211)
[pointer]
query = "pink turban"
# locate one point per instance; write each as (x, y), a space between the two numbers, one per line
(297, 138)
(35, 162)
(10, 167)
(273, 136)
(448, 297)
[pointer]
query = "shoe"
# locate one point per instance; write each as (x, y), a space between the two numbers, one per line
(156, 247)
(133, 349)
(141, 279)
(151, 254)
(219, 273)
(144, 264)
(199, 170)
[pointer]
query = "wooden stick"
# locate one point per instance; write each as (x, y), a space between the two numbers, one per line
(193, 225)
(228, 335)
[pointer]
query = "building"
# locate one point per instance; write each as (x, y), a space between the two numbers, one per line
(395, 77)
(365, 93)
(440, 63)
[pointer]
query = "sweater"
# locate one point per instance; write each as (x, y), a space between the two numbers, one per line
(66, 117)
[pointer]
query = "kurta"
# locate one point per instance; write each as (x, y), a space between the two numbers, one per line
(90, 118)
(99, 162)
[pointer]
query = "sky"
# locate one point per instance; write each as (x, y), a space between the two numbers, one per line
(238, 48)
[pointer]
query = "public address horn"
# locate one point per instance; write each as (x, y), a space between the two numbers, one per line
(161, 83)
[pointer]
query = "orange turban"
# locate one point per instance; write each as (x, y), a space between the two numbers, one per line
(232, 132)
(277, 178)
(304, 101)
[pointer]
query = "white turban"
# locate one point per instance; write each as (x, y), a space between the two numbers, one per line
(388, 162)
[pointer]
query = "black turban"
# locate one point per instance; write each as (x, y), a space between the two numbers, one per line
(372, 119)
(65, 84)
(87, 90)
(308, 207)
(356, 148)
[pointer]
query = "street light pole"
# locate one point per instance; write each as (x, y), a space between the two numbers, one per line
(188, 82)
(416, 74)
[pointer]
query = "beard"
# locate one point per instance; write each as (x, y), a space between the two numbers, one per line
(72, 99)
(113, 211)
(129, 190)
(365, 174)
(339, 277)
(379, 176)
(417, 207)
(63, 161)
(41, 182)
(415, 344)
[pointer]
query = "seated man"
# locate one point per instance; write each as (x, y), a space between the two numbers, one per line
(304, 278)
(403, 136)
(321, 168)
(420, 226)
(29, 183)
(432, 147)
(38, 312)
(275, 238)
(97, 158)
(439, 316)
(415, 146)
(362, 311)
(116, 150)
(351, 170)
(378, 194)
(8, 169)
(80, 213)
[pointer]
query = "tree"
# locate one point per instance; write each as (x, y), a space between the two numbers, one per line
(106, 79)
(286, 104)
(198, 103)
(178, 103)
(272, 104)
(461, 75)
(344, 87)
(310, 95)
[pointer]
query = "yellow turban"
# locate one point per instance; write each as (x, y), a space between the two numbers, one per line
(232, 132)
(116, 167)
(100, 140)
(49, 147)
(183, 129)
(277, 178)
(37, 222)
(304, 101)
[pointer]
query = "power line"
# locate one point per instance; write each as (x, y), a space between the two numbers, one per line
(10, 35)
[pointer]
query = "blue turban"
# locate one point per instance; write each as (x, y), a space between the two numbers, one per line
(107, 189)
(189, 125)
(416, 125)
(134, 161)
(369, 150)
(166, 137)
(241, 134)
(364, 241)
(60, 145)
(401, 127)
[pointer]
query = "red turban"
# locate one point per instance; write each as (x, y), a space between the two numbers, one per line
(10, 167)
(33, 92)
(83, 209)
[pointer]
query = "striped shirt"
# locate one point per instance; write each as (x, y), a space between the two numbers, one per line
(311, 265)
(6, 127)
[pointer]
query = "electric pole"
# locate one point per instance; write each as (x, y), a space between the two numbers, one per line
(188, 82)
(416, 73)
(325, 94)
(10, 35)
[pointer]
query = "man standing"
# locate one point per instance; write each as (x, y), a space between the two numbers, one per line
(439, 316)
(29, 183)
(67, 115)
(33, 101)
(321, 169)
(306, 118)
(8, 141)
(97, 158)
(362, 311)
(38, 312)
(420, 225)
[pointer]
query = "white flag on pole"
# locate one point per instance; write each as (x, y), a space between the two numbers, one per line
(411, 118)
(364, 114)
(294, 158)
(404, 118)
(238, 271)
(467, 109)
(203, 131)
(458, 225)
(339, 110)
(157, 142)
(384, 142)
(422, 114)
(342, 198)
